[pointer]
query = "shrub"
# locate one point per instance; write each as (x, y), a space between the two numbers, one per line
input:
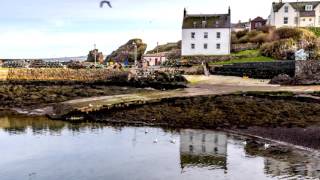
(244, 39)
(294, 33)
(315, 30)
(281, 49)
(260, 38)
(240, 34)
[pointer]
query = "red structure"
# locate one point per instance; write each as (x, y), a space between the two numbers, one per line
(258, 22)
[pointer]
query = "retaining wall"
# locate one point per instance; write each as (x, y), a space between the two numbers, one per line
(260, 70)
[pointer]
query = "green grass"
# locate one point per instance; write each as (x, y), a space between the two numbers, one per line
(252, 53)
(244, 60)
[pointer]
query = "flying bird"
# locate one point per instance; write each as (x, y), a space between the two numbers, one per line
(105, 2)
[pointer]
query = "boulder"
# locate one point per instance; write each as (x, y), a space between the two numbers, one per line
(282, 79)
(126, 52)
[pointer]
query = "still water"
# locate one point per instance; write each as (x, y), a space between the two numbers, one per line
(40, 149)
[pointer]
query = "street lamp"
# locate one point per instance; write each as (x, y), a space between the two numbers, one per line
(95, 55)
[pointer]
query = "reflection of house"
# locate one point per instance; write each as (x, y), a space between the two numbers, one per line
(295, 168)
(241, 26)
(154, 59)
(203, 148)
(206, 34)
(257, 23)
(295, 14)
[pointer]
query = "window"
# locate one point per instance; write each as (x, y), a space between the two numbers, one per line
(204, 24)
(193, 35)
(303, 19)
(217, 23)
(296, 20)
(309, 7)
(310, 19)
(193, 46)
(286, 9)
(285, 20)
(205, 35)
(218, 35)
(218, 46)
(194, 24)
(205, 46)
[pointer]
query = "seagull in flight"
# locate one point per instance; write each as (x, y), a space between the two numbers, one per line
(105, 2)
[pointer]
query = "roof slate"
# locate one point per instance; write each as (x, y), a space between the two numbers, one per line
(212, 21)
(299, 6)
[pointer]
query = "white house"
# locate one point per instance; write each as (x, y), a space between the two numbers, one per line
(206, 34)
(295, 14)
(155, 59)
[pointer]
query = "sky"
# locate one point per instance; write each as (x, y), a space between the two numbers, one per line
(66, 28)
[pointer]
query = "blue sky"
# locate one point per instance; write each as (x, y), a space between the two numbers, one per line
(59, 28)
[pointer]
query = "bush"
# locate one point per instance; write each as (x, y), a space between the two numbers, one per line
(315, 30)
(240, 34)
(259, 38)
(282, 49)
(294, 33)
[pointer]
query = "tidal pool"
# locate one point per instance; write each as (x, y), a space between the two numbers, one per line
(40, 149)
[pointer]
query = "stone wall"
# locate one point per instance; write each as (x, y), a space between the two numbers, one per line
(260, 70)
(242, 47)
(63, 74)
(307, 72)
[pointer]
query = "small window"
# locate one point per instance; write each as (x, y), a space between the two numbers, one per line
(204, 24)
(205, 35)
(217, 23)
(218, 35)
(218, 46)
(309, 7)
(285, 20)
(296, 20)
(193, 46)
(205, 46)
(193, 35)
(303, 19)
(286, 9)
(194, 24)
(310, 19)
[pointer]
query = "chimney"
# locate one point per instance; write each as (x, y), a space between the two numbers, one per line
(229, 10)
(185, 12)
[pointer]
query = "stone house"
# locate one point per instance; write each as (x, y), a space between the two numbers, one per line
(155, 59)
(257, 23)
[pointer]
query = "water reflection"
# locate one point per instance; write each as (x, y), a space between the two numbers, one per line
(203, 149)
(55, 150)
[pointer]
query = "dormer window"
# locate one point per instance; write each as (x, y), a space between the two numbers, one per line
(309, 7)
(217, 23)
(194, 24)
(204, 24)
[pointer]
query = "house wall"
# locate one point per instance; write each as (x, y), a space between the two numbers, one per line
(279, 16)
(154, 60)
(199, 42)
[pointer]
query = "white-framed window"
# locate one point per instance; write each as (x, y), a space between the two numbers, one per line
(286, 9)
(193, 46)
(296, 20)
(303, 19)
(206, 35)
(309, 7)
(217, 23)
(218, 46)
(205, 46)
(218, 35)
(193, 35)
(194, 24)
(285, 20)
(310, 19)
(204, 24)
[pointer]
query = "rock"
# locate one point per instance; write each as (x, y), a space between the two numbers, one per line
(254, 144)
(99, 56)
(282, 79)
(126, 51)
